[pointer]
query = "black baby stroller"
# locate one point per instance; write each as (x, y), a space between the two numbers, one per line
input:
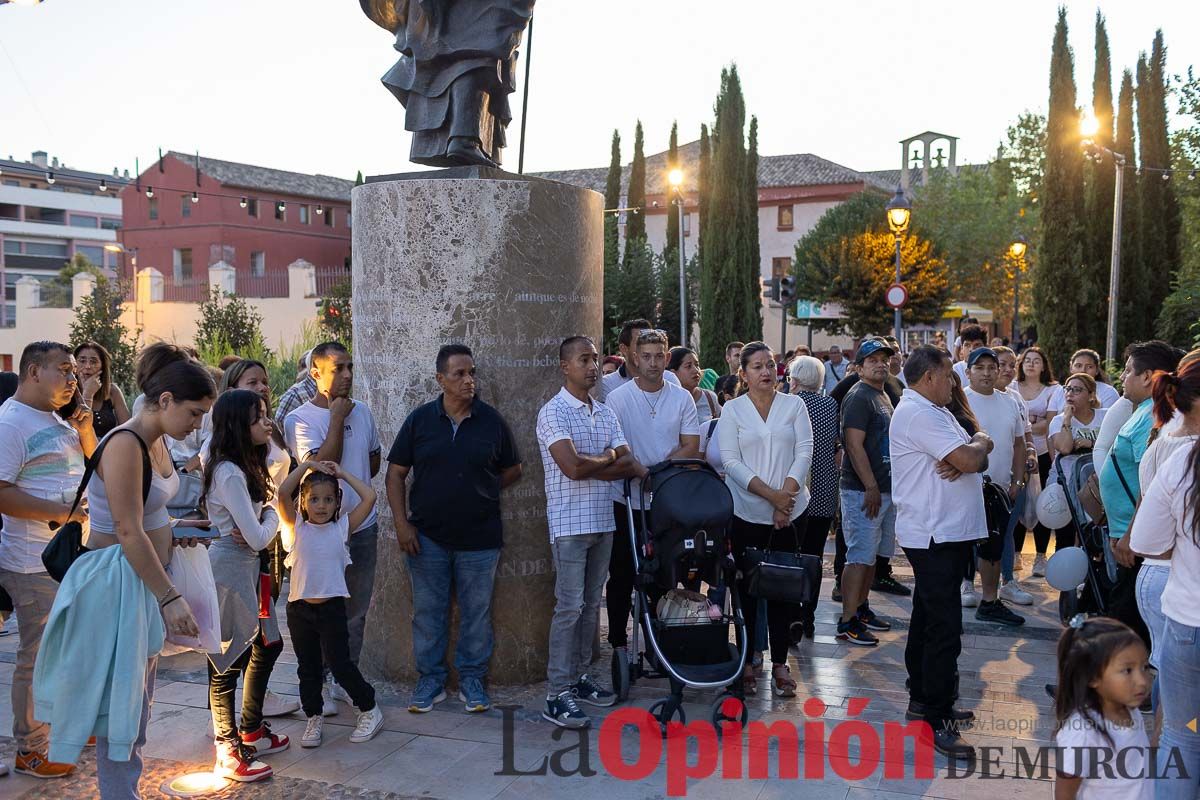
(1073, 472)
(684, 537)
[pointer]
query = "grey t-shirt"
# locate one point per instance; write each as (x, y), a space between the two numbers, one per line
(868, 409)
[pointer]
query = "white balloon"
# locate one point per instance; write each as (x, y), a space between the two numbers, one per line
(1067, 569)
(1052, 508)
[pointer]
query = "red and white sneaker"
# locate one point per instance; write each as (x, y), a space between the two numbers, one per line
(264, 742)
(236, 762)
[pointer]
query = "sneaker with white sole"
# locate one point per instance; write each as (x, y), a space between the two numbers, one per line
(37, 765)
(588, 691)
(565, 712)
(237, 762)
(328, 705)
(1039, 566)
(1013, 592)
(473, 695)
(313, 730)
(276, 705)
(263, 742)
(369, 724)
(970, 597)
(429, 692)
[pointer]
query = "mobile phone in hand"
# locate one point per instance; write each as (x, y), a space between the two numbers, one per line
(195, 533)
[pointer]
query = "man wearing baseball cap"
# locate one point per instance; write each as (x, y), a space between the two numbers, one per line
(868, 518)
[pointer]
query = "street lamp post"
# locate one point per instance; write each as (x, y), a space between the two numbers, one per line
(899, 213)
(675, 178)
(1017, 251)
(1089, 126)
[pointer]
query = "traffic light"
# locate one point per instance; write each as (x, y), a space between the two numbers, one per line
(770, 288)
(787, 290)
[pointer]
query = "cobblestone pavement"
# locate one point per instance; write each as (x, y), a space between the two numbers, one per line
(451, 754)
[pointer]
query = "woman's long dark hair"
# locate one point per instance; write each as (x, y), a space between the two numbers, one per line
(232, 415)
(105, 370)
(959, 406)
(677, 355)
(164, 367)
(1047, 376)
(749, 351)
(1181, 391)
(1083, 653)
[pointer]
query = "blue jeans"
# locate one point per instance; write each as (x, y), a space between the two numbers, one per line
(1151, 580)
(360, 580)
(118, 780)
(1179, 681)
(473, 575)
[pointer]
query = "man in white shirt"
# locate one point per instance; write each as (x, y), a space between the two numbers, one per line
(582, 449)
(938, 493)
(335, 427)
(41, 466)
(630, 331)
(969, 338)
(659, 422)
(1000, 419)
(835, 368)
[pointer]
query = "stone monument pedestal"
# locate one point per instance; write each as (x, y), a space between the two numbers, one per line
(508, 265)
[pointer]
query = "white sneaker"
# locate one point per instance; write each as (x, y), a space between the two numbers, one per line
(970, 597)
(328, 705)
(275, 705)
(369, 724)
(336, 692)
(1013, 593)
(1039, 565)
(313, 730)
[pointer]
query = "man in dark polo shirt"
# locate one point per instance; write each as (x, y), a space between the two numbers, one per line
(461, 453)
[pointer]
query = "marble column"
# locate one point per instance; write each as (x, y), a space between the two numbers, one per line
(508, 265)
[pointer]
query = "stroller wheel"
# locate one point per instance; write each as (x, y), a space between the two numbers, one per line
(1068, 605)
(728, 707)
(620, 673)
(666, 711)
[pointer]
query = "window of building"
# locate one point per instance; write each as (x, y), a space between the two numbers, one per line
(281, 212)
(185, 205)
(258, 262)
(329, 217)
(12, 248)
(94, 253)
(110, 224)
(83, 221)
(182, 258)
(780, 267)
(11, 182)
(784, 222)
(252, 207)
(45, 249)
(304, 214)
(153, 208)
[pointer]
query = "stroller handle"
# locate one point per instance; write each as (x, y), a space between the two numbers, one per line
(665, 465)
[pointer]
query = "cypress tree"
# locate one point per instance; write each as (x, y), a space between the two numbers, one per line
(751, 324)
(635, 193)
(673, 217)
(668, 272)
(1133, 288)
(1061, 252)
(1099, 199)
(1168, 202)
(612, 253)
(703, 187)
(1152, 229)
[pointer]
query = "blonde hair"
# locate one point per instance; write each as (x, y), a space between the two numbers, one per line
(1088, 382)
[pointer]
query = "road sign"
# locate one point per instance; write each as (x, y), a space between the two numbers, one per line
(896, 295)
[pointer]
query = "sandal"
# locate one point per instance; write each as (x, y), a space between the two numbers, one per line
(749, 681)
(784, 685)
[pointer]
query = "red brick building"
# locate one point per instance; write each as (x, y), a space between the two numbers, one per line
(186, 213)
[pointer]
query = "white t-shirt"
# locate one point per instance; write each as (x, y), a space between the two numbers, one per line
(1022, 408)
(1105, 393)
(305, 430)
(614, 380)
(928, 507)
(1079, 430)
(960, 367)
(1163, 522)
(230, 507)
(1000, 419)
(318, 556)
(1079, 739)
(40, 455)
(651, 438)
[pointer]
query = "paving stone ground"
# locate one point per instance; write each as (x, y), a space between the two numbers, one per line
(454, 755)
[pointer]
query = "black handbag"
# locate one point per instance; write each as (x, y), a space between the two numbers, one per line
(783, 576)
(66, 546)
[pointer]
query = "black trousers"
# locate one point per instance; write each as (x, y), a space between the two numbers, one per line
(780, 616)
(618, 592)
(255, 665)
(935, 630)
(813, 533)
(1122, 601)
(321, 639)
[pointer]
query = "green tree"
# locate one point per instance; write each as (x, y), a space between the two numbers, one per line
(612, 246)
(667, 279)
(634, 293)
(1179, 320)
(750, 323)
(98, 319)
(1158, 212)
(1061, 251)
(358, 179)
(635, 192)
(1134, 291)
(1098, 177)
(228, 324)
(673, 215)
(703, 187)
(335, 315)
(1024, 151)
(58, 291)
(817, 260)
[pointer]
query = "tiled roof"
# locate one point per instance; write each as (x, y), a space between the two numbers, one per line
(265, 179)
(798, 169)
(889, 179)
(12, 166)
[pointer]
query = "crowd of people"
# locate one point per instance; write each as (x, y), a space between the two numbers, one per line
(935, 451)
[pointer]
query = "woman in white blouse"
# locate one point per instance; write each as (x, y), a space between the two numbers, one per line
(1167, 527)
(238, 490)
(766, 442)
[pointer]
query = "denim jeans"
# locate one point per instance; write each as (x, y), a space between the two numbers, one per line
(581, 566)
(255, 666)
(1151, 580)
(32, 595)
(118, 780)
(473, 575)
(1179, 681)
(868, 537)
(360, 580)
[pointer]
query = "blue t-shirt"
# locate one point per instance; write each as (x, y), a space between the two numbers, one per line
(1126, 454)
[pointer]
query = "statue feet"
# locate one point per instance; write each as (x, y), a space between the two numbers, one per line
(467, 152)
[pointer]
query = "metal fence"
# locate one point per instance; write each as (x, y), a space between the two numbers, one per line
(188, 290)
(272, 284)
(328, 278)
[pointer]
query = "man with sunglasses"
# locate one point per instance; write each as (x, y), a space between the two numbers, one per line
(659, 422)
(630, 331)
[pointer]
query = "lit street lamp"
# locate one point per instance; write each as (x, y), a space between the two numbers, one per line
(675, 178)
(899, 213)
(1088, 126)
(1017, 250)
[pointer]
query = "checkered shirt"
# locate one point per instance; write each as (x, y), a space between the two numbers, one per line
(577, 507)
(297, 395)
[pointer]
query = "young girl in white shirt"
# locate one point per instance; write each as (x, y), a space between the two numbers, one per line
(318, 547)
(1103, 676)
